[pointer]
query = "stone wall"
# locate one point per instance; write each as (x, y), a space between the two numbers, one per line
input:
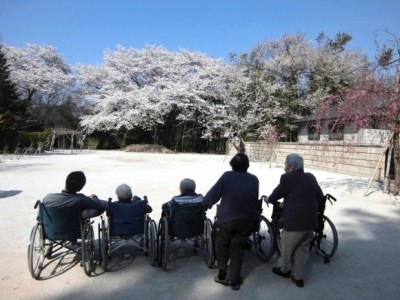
(352, 160)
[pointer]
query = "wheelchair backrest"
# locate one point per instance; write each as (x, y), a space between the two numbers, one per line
(126, 219)
(60, 223)
(187, 221)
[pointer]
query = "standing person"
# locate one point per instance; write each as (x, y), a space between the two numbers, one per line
(69, 197)
(301, 197)
(237, 217)
(188, 195)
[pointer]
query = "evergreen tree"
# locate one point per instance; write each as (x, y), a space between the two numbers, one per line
(12, 109)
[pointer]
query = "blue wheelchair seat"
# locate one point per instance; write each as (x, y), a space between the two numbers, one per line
(126, 219)
(187, 221)
(60, 223)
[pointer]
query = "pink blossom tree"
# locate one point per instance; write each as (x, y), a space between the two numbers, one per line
(373, 101)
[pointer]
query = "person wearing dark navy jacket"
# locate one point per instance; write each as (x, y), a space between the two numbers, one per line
(301, 198)
(237, 217)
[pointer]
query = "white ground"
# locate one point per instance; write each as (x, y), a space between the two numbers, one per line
(366, 265)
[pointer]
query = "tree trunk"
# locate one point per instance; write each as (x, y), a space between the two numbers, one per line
(396, 148)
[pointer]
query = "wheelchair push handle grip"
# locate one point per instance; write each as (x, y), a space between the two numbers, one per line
(330, 198)
(264, 198)
(36, 204)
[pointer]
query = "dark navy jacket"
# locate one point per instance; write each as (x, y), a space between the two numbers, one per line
(238, 192)
(302, 196)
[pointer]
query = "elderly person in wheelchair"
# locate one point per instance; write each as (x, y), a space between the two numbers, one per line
(184, 220)
(125, 196)
(127, 221)
(188, 196)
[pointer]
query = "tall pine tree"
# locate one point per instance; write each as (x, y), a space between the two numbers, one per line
(13, 111)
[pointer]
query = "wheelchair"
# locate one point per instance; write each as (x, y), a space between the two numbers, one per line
(325, 237)
(54, 230)
(263, 238)
(185, 223)
(127, 223)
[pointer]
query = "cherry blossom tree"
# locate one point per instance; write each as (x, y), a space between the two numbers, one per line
(166, 93)
(42, 78)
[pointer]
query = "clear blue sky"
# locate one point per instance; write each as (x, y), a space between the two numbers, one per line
(82, 29)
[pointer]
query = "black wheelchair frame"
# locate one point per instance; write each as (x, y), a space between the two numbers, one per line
(134, 227)
(53, 231)
(325, 239)
(185, 223)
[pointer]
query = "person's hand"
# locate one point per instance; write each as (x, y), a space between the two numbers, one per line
(265, 198)
(93, 196)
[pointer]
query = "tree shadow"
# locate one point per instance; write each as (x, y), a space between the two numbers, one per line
(350, 184)
(10, 193)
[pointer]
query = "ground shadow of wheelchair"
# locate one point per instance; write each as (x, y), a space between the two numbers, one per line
(59, 263)
(122, 255)
(180, 252)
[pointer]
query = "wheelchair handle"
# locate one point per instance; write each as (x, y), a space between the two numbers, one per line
(330, 198)
(36, 204)
(264, 199)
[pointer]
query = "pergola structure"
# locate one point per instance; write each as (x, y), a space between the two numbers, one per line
(66, 133)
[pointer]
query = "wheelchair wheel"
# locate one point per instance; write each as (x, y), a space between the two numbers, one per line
(152, 242)
(207, 244)
(36, 251)
(163, 243)
(263, 239)
(87, 247)
(103, 246)
(325, 242)
(278, 236)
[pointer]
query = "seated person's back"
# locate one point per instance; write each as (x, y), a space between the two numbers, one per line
(69, 197)
(128, 213)
(126, 197)
(188, 195)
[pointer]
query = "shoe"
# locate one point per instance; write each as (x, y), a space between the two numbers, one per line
(221, 281)
(237, 287)
(277, 271)
(298, 282)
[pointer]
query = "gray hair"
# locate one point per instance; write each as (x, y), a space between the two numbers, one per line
(187, 186)
(296, 161)
(124, 193)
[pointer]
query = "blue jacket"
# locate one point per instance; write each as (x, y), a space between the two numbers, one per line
(238, 193)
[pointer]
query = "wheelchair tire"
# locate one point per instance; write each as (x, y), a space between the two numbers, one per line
(325, 244)
(103, 246)
(263, 239)
(36, 251)
(87, 247)
(151, 239)
(163, 243)
(207, 244)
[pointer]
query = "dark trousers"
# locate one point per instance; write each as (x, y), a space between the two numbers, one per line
(231, 244)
